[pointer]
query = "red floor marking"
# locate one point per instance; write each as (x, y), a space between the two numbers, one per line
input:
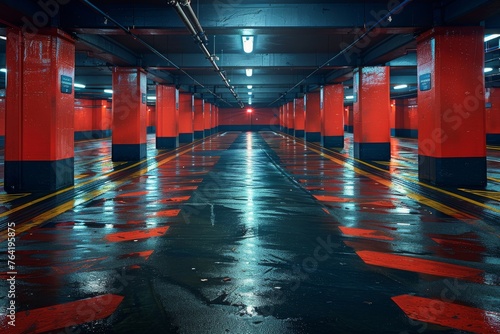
(456, 316)
(135, 266)
(75, 266)
(326, 211)
(144, 254)
(174, 199)
(324, 198)
(134, 194)
(462, 244)
(64, 315)
(385, 204)
(364, 233)
(421, 265)
(166, 213)
(140, 234)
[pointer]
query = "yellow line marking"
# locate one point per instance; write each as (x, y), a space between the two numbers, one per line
(494, 179)
(494, 195)
(41, 218)
(429, 186)
(496, 148)
(5, 198)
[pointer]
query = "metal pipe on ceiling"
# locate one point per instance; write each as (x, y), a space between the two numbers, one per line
(347, 48)
(150, 47)
(196, 30)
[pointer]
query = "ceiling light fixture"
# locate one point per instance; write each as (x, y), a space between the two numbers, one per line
(349, 97)
(108, 91)
(488, 69)
(247, 43)
(3, 37)
(249, 86)
(249, 93)
(490, 37)
(400, 86)
(151, 98)
(250, 101)
(77, 85)
(4, 70)
(249, 72)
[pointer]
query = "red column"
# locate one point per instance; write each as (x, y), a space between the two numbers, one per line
(313, 117)
(167, 116)
(299, 118)
(290, 108)
(397, 117)
(349, 119)
(493, 116)
(101, 119)
(207, 116)
(129, 139)
(199, 122)
(39, 152)
(452, 136)
(214, 117)
(186, 114)
(372, 109)
(333, 116)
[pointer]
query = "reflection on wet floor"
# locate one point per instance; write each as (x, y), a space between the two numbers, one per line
(255, 233)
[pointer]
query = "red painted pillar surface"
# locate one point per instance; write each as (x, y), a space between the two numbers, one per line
(349, 119)
(372, 109)
(39, 152)
(199, 121)
(290, 108)
(207, 116)
(451, 107)
(493, 116)
(299, 118)
(186, 114)
(398, 109)
(129, 139)
(2, 121)
(214, 118)
(101, 119)
(313, 117)
(83, 119)
(333, 116)
(167, 116)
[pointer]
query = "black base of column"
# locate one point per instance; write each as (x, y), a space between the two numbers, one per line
(291, 131)
(151, 129)
(348, 128)
(128, 152)
(493, 139)
(333, 141)
(207, 133)
(405, 133)
(285, 129)
(38, 176)
(163, 143)
(372, 151)
(199, 134)
(97, 134)
(453, 172)
(186, 138)
(2, 141)
(300, 133)
(313, 137)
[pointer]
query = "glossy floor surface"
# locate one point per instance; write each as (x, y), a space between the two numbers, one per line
(253, 233)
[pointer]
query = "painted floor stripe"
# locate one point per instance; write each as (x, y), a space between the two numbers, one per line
(421, 266)
(364, 233)
(456, 316)
(137, 235)
(64, 315)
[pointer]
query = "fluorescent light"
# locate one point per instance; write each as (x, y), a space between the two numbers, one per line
(249, 93)
(400, 86)
(108, 91)
(349, 97)
(488, 69)
(249, 72)
(4, 70)
(250, 101)
(490, 37)
(151, 98)
(3, 37)
(77, 85)
(247, 44)
(249, 86)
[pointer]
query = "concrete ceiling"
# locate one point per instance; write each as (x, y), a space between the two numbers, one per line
(299, 45)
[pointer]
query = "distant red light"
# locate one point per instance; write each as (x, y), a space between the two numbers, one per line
(249, 111)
